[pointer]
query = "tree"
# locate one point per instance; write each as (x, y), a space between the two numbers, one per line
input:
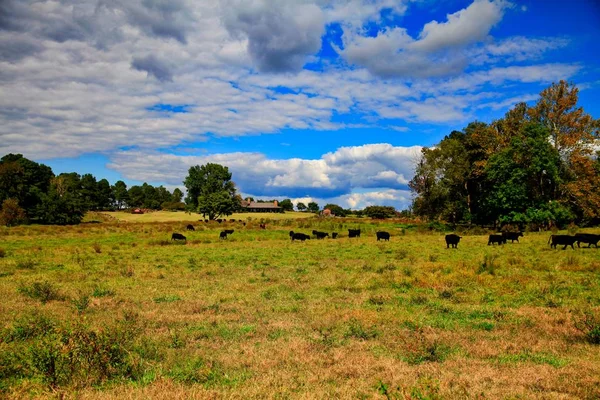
(120, 194)
(210, 190)
(301, 206)
(335, 210)
(135, 196)
(104, 195)
(313, 207)
(379, 212)
(287, 205)
(11, 213)
(63, 204)
(89, 191)
(25, 181)
(177, 195)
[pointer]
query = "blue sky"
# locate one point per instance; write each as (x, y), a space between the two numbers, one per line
(325, 100)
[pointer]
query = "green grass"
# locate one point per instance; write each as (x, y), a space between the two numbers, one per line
(118, 310)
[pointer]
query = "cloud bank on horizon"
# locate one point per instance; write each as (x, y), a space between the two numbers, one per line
(363, 83)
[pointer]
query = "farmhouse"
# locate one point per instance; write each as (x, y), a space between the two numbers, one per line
(252, 206)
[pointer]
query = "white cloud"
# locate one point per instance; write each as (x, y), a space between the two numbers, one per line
(80, 77)
(334, 174)
(463, 27)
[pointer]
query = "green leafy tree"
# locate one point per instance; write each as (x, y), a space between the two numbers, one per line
(287, 205)
(379, 212)
(177, 195)
(313, 207)
(25, 181)
(104, 195)
(135, 196)
(301, 206)
(120, 194)
(89, 191)
(63, 203)
(335, 209)
(210, 191)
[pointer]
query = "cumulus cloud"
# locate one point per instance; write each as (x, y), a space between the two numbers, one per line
(462, 27)
(80, 76)
(335, 174)
(280, 35)
(438, 51)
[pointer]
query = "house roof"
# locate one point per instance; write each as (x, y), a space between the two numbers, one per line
(260, 205)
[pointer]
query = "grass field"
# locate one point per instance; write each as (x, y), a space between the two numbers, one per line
(170, 216)
(117, 310)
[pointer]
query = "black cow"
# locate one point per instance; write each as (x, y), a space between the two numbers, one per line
(228, 231)
(589, 238)
(512, 236)
(223, 235)
(299, 236)
(334, 235)
(263, 226)
(321, 235)
(178, 236)
(353, 233)
(500, 239)
(566, 240)
(452, 240)
(190, 227)
(383, 236)
(220, 220)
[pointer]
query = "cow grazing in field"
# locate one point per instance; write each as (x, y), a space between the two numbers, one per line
(334, 235)
(321, 235)
(589, 238)
(452, 240)
(383, 236)
(566, 240)
(299, 236)
(512, 236)
(178, 236)
(190, 227)
(220, 220)
(500, 239)
(228, 231)
(223, 235)
(263, 226)
(232, 220)
(353, 233)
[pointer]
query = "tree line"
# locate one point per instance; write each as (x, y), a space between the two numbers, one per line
(31, 192)
(537, 165)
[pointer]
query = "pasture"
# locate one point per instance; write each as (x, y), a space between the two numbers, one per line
(117, 310)
(172, 216)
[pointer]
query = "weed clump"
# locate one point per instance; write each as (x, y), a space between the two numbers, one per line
(358, 331)
(42, 291)
(102, 292)
(588, 323)
(488, 265)
(26, 264)
(81, 302)
(2, 253)
(97, 248)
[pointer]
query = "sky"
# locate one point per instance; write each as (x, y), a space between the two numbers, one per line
(314, 100)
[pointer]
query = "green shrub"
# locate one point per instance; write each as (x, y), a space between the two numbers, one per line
(102, 292)
(42, 291)
(81, 303)
(357, 331)
(588, 323)
(27, 327)
(488, 265)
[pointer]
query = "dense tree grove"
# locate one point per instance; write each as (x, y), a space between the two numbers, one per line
(537, 165)
(31, 192)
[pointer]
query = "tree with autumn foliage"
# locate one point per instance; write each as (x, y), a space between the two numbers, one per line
(536, 164)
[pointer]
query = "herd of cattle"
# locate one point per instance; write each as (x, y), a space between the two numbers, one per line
(561, 240)
(452, 240)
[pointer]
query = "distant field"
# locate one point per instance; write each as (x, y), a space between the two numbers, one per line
(168, 216)
(114, 310)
